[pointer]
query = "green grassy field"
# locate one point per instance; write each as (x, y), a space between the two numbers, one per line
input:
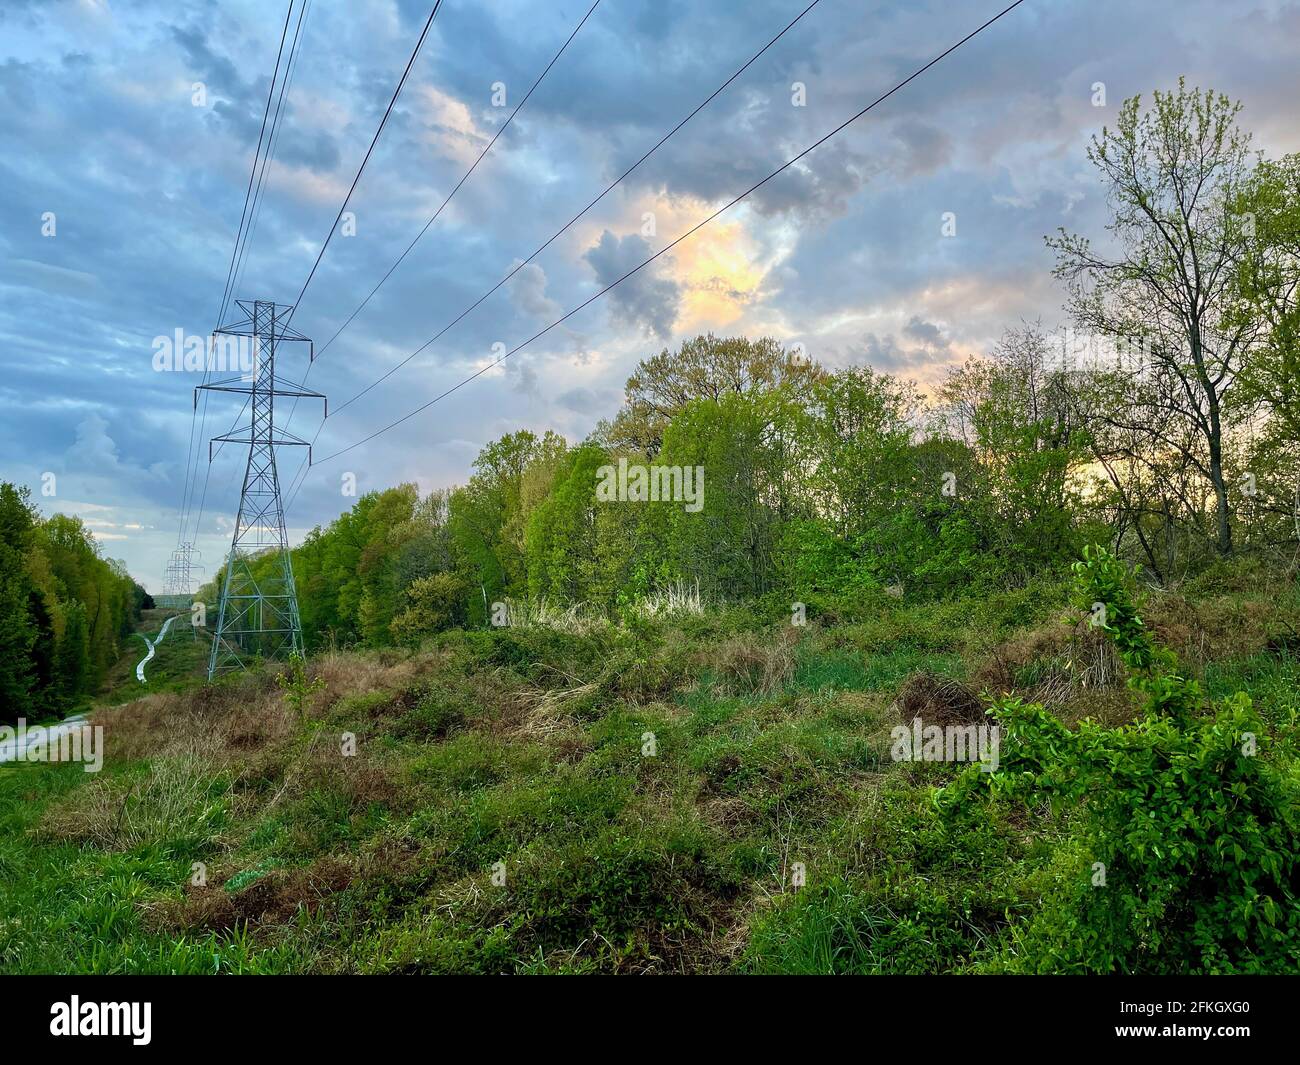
(702, 794)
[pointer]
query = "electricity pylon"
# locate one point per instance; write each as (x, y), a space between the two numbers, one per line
(178, 584)
(178, 589)
(258, 617)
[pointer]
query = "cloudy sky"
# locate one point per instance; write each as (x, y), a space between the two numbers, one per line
(127, 130)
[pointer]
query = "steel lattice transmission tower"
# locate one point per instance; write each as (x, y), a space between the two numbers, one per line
(178, 583)
(258, 617)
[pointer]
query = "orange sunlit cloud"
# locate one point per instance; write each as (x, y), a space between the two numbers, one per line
(720, 275)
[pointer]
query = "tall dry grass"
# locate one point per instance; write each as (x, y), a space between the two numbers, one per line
(175, 798)
(213, 750)
(753, 663)
(675, 598)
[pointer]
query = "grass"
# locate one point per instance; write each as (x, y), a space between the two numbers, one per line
(695, 793)
(178, 664)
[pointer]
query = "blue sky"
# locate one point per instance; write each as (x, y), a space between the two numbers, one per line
(844, 253)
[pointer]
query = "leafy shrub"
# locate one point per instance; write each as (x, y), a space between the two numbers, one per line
(537, 652)
(295, 685)
(442, 706)
(434, 603)
(1186, 857)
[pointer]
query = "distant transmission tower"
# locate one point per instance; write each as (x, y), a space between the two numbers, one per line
(178, 584)
(258, 617)
(169, 583)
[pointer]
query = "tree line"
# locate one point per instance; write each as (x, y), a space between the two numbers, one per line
(65, 611)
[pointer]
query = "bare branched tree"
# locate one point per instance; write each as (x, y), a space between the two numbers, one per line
(1175, 173)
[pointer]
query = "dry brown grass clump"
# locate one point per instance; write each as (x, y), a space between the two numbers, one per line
(1211, 629)
(220, 749)
(175, 797)
(214, 723)
(938, 700)
(272, 899)
(1052, 664)
(754, 664)
(346, 673)
(229, 721)
(547, 715)
(1071, 667)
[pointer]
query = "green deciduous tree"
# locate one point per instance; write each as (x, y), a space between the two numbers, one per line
(432, 604)
(705, 367)
(730, 545)
(1175, 174)
(488, 519)
(561, 542)
(18, 634)
(1019, 418)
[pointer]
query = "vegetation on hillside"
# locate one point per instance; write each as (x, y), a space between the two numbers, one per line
(692, 792)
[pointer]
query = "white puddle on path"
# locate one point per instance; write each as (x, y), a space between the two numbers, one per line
(153, 645)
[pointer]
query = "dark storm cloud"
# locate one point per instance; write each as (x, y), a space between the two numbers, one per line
(887, 354)
(207, 66)
(926, 147)
(925, 333)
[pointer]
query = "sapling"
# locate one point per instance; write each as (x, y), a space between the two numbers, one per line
(295, 685)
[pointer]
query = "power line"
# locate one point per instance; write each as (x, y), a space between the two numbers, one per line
(374, 140)
(238, 256)
(342, 207)
(294, 309)
(277, 128)
(694, 229)
(203, 500)
(191, 457)
(464, 177)
(301, 473)
(273, 139)
(441, 207)
(239, 239)
(270, 93)
(562, 230)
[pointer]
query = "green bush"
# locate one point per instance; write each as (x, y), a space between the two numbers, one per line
(433, 603)
(1186, 857)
